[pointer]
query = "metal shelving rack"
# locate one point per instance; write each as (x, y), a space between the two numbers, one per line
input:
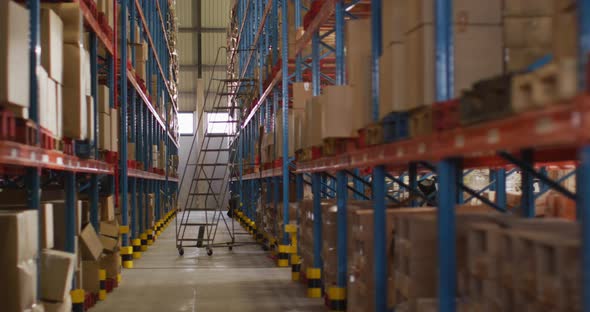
(557, 134)
(138, 114)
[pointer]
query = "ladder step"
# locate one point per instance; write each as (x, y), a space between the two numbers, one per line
(216, 150)
(201, 209)
(231, 93)
(203, 194)
(219, 135)
(214, 165)
(211, 179)
(226, 107)
(235, 80)
(194, 240)
(227, 121)
(198, 224)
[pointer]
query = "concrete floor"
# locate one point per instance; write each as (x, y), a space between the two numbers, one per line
(244, 279)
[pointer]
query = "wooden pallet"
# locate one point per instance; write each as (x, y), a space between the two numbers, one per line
(395, 127)
(336, 146)
(370, 135)
(421, 121)
(550, 84)
(445, 115)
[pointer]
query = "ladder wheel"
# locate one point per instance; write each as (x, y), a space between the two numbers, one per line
(181, 251)
(209, 252)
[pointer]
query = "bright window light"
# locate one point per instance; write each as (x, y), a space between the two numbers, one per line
(218, 123)
(186, 123)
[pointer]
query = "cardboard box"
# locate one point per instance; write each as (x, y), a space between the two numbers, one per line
(392, 80)
(52, 29)
(111, 263)
(46, 215)
(91, 246)
(518, 59)
(302, 92)
(104, 99)
(57, 271)
(42, 85)
(478, 54)
(109, 244)
(90, 118)
(565, 44)
(74, 97)
(110, 229)
(480, 12)
(291, 124)
(337, 113)
(50, 111)
(65, 306)
(393, 19)
(59, 111)
(87, 76)
(524, 32)
(107, 208)
(18, 290)
(14, 61)
(91, 280)
(73, 22)
(313, 122)
(106, 7)
(522, 8)
(114, 130)
(104, 131)
(18, 236)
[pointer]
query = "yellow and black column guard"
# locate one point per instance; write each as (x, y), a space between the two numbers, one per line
(150, 237)
(283, 261)
(77, 300)
(136, 248)
(143, 240)
(314, 282)
(123, 229)
(337, 298)
(291, 228)
(127, 257)
(295, 267)
(102, 291)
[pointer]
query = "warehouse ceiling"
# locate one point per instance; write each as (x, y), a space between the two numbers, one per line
(200, 36)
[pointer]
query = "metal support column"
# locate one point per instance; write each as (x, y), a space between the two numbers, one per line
(380, 246)
(446, 235)
(528, 194)
(500, 187)
(582, 203)
(413, 181)
(123, 178)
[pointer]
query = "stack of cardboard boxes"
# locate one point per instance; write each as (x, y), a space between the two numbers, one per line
(20, 250)
(477, 53)
(519, 265)
(14, 63)
(108, 119)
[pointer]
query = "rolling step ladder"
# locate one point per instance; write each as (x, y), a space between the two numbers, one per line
(206, 176)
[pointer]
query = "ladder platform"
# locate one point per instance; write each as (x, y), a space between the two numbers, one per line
(211, 179)
(194, 240)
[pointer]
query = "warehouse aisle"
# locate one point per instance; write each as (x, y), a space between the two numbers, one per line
(244, 279)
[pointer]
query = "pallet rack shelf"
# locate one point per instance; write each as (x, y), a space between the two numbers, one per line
(554, 135)
(138, 114)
